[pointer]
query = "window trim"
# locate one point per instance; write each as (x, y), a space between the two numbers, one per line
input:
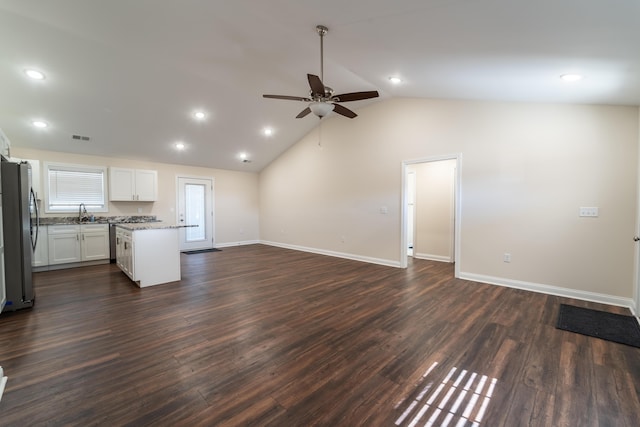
(80, 168)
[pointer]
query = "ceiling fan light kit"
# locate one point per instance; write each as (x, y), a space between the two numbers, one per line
(321, 109)
(321, 98)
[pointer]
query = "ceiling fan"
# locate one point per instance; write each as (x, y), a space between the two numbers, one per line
(321, 98)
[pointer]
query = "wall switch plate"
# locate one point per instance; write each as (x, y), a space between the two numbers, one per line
(507, 257)
(588, 212)
(384, 210)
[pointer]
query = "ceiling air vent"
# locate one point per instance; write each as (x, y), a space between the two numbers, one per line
(81, 138)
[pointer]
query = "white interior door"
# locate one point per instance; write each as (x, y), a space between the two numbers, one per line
(195, 207)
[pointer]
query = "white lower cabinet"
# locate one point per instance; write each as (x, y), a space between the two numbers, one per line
(78, 243)
(64, 244)
(41, 254)
(94, 242)
(124, 252)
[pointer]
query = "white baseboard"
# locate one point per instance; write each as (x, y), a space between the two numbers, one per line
(240, 243)
(353, 257)
(499, 281)
(551, 290)
(431, 257)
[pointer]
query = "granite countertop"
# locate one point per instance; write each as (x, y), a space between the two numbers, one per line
(135, 219)
(150, 226)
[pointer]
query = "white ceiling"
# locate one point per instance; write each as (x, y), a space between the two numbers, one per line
(129, 73)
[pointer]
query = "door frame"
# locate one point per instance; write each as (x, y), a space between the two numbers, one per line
(457, 209)
(635, 302)
(213, 203)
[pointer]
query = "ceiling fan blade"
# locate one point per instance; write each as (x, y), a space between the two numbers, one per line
(303, 113)
(337, 108)
(291, 98)
(355, 96)
(317, 88)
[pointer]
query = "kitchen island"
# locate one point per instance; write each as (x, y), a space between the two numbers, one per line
(148, 253)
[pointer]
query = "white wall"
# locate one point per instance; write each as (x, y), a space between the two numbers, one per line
(525, 171)
(235, 193)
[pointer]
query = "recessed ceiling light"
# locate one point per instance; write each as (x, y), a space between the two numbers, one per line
(34, 74)
(267, 131)
(395, 80)
(199, 115)
(39, 124)
(243, 156)
(179, 145)
(571, 77)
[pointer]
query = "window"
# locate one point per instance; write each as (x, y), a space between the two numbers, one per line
(69, 185)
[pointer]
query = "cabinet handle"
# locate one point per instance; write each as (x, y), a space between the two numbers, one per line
(82, 236)
(117, 240)
(125, 245)
(77, 238)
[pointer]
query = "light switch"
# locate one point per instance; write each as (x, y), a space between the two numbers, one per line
(588, 212)
(384, 210)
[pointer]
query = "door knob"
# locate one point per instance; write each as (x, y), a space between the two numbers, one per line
(636, 238)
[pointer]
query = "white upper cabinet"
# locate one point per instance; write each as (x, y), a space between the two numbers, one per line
(133, 185)
(146, 185)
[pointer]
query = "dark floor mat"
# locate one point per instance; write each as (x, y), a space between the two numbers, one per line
(600, 324)
(201, 251)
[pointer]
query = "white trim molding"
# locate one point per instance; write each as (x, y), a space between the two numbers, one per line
(240, 243)
(551, 290)
(431, 257)
(371, 260)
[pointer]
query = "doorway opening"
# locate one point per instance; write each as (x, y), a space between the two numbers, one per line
(431, 209)
(195, 209)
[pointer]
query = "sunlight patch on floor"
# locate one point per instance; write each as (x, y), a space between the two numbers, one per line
(460, 398)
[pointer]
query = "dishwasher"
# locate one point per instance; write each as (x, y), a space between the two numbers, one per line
(112, 243)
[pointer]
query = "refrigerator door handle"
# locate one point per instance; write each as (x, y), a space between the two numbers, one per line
(34, 240)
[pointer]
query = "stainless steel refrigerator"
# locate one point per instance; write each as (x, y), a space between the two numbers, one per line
(20, 229)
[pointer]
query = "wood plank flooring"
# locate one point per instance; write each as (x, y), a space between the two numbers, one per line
(264, 336)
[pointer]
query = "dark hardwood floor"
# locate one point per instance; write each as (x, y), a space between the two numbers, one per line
(258, 335)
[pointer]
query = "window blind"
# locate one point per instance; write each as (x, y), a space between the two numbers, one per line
(71, 185)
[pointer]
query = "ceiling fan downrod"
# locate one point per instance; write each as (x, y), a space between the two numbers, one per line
(322, 30)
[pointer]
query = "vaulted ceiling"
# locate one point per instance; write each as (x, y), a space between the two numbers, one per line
(129, 74)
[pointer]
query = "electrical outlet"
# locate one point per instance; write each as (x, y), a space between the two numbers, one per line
(507, 257)
(588, 212)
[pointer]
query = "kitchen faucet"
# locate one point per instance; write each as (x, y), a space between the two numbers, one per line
(80, 208)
